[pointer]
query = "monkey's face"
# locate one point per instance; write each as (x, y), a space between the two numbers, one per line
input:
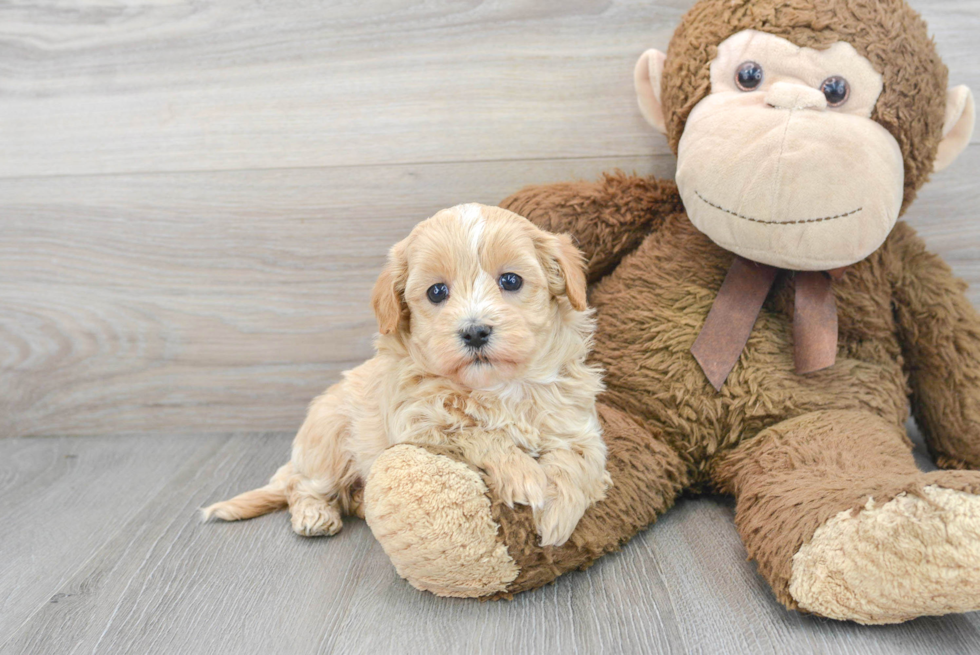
(781, 163)
(787, 154)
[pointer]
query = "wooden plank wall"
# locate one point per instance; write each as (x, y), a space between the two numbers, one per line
(196, 197)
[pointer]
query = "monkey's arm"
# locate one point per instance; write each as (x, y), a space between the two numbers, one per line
(607, 219)
(940, 333)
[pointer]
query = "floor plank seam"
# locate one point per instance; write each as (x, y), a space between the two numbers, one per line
(644, 156)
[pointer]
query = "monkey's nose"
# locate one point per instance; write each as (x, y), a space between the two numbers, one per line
(475, 336)
(784, 95)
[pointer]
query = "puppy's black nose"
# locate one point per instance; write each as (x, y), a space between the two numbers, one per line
(475, 336)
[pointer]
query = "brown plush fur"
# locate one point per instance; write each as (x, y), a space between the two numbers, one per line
(905, 327)
(888, 33)
(795, 450)
(621, 208)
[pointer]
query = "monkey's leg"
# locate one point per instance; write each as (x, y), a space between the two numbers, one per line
(447, 533)
(843, 524)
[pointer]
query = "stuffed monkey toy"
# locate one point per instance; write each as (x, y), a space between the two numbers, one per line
(765, 324)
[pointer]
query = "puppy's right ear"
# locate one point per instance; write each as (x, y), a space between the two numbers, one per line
(388, 297)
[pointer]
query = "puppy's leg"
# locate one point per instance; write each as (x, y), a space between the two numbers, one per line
(312, 512)
(323, 473)
(575, 481)
(517, 477)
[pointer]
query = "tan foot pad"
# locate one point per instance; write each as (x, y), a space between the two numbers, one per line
(907, 558)
(432, 516)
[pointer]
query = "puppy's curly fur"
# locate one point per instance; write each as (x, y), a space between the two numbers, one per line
(521, 406)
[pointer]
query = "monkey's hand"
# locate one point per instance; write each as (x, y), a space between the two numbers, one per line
(607, 219)
(940, 334)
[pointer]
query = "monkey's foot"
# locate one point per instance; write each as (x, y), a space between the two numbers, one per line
(906, 558)
(432, 516)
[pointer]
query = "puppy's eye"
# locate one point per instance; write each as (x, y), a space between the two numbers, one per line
(437, 293)
(836, 90)
(510, 281)
(749, 76)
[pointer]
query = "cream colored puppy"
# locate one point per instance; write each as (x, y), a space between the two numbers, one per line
(484, 334)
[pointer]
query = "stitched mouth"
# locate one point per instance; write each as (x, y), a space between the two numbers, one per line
(759, 220)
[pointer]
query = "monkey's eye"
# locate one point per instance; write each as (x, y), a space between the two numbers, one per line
(510, 281)
(749, 76)
(437, 293)
(836, 90)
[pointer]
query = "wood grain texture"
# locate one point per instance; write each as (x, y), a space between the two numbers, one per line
(195, 198)
(63, 499)
(208, 301)
(161, 582)
(176, 86)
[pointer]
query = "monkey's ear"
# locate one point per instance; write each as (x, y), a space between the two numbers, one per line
(958, 126)
(387, 299)
(564, 267)
(647, 77)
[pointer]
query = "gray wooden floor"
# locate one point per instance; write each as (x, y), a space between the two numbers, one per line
(103, 553)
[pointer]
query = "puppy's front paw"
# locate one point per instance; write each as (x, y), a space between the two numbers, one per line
(518, 478)
(315, 518)
(557, 518)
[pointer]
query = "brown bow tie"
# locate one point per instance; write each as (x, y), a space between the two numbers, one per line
(739, 301)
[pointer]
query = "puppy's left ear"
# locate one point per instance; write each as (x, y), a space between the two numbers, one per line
(565, 267)
(388, 297)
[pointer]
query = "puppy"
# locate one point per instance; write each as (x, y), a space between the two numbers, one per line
(484, 334)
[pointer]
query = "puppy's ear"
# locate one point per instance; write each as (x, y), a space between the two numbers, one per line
(564, 266)
(388, 298)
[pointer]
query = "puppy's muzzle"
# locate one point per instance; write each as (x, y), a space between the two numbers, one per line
(475, 337)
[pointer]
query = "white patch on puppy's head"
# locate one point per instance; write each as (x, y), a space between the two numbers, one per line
(471, 216)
